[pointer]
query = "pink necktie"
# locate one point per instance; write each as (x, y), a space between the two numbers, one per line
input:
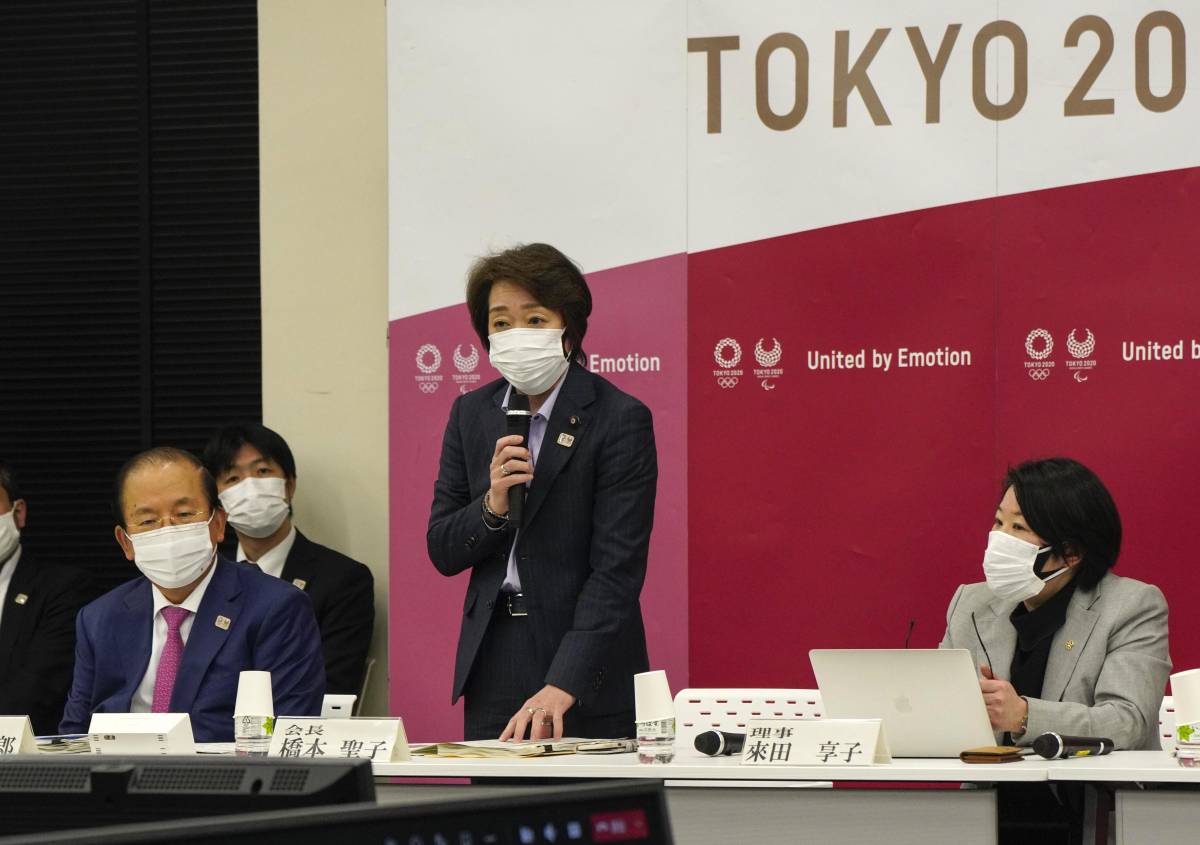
(168, 661)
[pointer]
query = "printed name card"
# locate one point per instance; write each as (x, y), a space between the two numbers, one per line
(16, 736)
(141, 733)
(380, 740)
(815, 742)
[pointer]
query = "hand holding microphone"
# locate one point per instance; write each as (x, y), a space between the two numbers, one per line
(511, 469)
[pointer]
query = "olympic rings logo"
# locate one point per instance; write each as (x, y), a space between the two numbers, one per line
(429, 349)
(727, 381)
(1035, 353)
(735, 354)
(1039, 375)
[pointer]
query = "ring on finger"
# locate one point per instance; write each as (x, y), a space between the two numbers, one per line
(504, 469)
(532, 710)
(547, 723)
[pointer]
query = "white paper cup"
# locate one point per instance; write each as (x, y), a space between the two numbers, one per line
(1185, 690)
(652, 697)
(338, 706)
(254, 695)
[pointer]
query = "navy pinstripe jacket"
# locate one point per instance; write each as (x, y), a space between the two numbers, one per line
(584, 540)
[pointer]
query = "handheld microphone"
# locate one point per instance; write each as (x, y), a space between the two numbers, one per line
(1054, 746)
(517, 422)
(719, 743)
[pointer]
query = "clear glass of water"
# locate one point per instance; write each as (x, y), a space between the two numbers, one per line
(252, 735)
(656, 741)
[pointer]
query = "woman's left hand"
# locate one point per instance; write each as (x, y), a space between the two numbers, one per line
(1005, 708)
(542, 713)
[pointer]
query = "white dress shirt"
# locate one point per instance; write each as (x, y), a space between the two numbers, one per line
(272, 561)
(6, 573)
(143, 698)
(537, 432)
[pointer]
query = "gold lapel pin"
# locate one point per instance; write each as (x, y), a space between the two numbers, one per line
(565, 440)
(300, 582)
(21, 598)
(1070, 644)
(223, 622)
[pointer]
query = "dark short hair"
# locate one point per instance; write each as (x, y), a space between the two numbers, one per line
(545, 274)
(10, 482)
(223, 446)
(1067, 505)
(160, 456)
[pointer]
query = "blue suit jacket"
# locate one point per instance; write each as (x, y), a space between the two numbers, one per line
(271, 628)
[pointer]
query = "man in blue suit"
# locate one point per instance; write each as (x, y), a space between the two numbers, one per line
(176, 639)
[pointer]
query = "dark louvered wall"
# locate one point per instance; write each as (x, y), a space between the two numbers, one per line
(129, 259)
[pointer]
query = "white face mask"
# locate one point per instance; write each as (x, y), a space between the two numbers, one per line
(256, 506)
(1010, 564)
(10, 535)
(532, 360)
(175, 555)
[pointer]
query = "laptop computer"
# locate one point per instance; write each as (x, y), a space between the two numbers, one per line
(928, 699)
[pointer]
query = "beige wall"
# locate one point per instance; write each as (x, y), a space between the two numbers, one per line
(323, 115)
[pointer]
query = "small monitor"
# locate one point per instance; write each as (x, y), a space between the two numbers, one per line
(623, 812)
(42, 793)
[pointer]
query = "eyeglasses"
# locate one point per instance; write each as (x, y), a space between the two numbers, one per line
(986, 656)
(149, 523)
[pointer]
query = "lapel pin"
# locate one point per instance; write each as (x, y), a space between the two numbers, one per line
(300, 582)
(1070, 644)
(565, 440)
(21, 598)
(574, 421)
(223, 622)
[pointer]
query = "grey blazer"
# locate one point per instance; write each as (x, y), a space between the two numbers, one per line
(1108, 663)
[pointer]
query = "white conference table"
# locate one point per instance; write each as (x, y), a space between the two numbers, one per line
(747, 800)
(907, 812)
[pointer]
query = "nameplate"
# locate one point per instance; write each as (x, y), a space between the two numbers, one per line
(141, 733)
(382, 740)
(16, 736)
(815, 742)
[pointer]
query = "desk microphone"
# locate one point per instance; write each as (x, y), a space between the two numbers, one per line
(719, 743)
(517, 422)
(1054, 746)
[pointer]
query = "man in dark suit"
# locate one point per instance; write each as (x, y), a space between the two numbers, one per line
(552, 631)
(176, 639)
(256, 478)
(38, 604)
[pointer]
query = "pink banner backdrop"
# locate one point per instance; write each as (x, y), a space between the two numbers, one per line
(864, 300)
(635, 339)
(858, 498)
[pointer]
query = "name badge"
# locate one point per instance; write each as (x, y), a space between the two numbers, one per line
(815, 742)
(382, 740)
(16, 736)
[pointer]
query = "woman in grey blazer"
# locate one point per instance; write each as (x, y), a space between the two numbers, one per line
(1062, 644)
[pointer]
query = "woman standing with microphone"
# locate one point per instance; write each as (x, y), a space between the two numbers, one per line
(552, 631)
